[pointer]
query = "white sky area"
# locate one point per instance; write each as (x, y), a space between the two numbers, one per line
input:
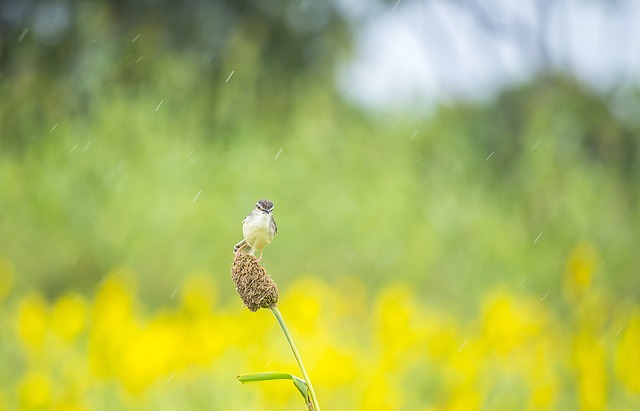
(422, 52)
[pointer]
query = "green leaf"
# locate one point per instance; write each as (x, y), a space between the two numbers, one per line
(299, 383)
(264, 376)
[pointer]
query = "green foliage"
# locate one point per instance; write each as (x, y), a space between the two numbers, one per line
(143, 158)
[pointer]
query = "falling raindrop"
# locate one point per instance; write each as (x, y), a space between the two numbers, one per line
(535, 145)
(464, 343)
(23, 34)
(73, 149)
(159, 104)
(490, 155)
(544, 296)
(230, 75)
(278, 153)
(537, 238)
(54, 127)
(197, 195)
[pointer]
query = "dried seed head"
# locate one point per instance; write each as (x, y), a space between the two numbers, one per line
(255, 286)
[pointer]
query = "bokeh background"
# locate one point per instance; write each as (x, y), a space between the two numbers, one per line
(456, 190)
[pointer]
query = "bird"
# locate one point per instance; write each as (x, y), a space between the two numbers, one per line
(258, 229)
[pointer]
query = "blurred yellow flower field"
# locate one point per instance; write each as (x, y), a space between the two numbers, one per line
(370, 350)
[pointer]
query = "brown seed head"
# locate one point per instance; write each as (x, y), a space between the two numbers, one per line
(255, 286)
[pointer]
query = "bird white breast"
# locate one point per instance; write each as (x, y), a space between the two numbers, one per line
(256, 231)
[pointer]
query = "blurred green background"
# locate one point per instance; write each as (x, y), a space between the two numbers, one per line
(135, 136)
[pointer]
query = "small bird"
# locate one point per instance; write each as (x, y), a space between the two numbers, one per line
(258, 229)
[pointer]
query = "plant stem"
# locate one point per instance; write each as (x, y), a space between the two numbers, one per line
(294, 350)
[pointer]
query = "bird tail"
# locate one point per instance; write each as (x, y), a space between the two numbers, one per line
(243, 247)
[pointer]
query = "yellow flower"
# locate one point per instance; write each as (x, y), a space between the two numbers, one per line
(113, 305)
(542, 377)
(205, 337)
(591, 367)
(68, 316)
(628, 354)
(198, 294)
(112, 321)
(303, 302)
(148, 354)
(462, 370)
(35, 391)
(32, 320)
(335, 367)
(507, 323)
(440, 334)
(381, 394)
(579, 271)
(396, 314)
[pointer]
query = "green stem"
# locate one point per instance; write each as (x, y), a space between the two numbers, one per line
(294, 350)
